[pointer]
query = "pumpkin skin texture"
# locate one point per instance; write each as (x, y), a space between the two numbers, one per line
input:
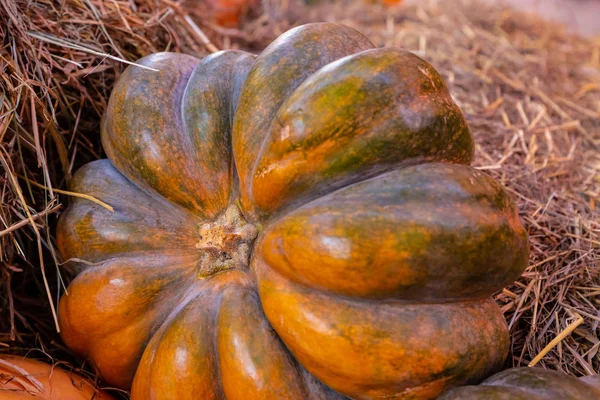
(175, 103)
(529, 384)
(22, 378)
(275, 75)
(321, 139)
(299, 225)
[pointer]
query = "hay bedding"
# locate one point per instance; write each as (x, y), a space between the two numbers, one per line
(531, 93)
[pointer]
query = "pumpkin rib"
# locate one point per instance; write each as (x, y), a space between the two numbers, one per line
(219, 75)
(186, 128)
(141, 384)
(177, 125)
(490, 393)
(527, 383)
(385, 350)
(107, 300)
(427, 233)
(537, 380)
(355, 118)
(140, 221)
(215, 336)
(157, 94)
(274, 369)
(277, 71)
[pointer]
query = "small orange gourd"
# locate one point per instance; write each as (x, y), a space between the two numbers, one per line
(22, 378)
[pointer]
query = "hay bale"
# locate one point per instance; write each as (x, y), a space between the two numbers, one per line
(529, 90)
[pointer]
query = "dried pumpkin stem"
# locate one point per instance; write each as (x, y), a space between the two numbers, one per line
(227, 242)
(559, 338)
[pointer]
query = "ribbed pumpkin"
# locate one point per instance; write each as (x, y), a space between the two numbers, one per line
(303, 224)
(529, 384)
(22, 378)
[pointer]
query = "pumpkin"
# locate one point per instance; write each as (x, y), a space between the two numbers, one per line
(226, 13)
(529, 384)
(22, 378)
(303, 224)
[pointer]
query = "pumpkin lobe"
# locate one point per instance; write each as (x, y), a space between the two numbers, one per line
(226, 242)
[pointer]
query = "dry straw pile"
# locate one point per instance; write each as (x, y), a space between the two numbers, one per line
(531, 93)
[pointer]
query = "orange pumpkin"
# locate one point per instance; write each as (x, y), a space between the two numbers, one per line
(21, 378)
(529, 384)
(302, 224)
(227, 13)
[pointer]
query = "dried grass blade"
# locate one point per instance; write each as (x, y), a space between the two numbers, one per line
(46, 37)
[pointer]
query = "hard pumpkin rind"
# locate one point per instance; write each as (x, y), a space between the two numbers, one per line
(529, 383)
(356, 118)
(173, 293)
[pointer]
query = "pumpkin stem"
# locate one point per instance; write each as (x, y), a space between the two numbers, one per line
(227, 242)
